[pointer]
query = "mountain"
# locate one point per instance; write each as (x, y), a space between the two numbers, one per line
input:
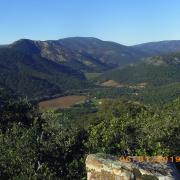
(28, 74)
(154, 80)
(158, 48)
(153, 71)
(109, 53)
(87, 54)
(82, 54)
(45, 68)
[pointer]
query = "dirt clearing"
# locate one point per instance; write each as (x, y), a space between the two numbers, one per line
(62, 102)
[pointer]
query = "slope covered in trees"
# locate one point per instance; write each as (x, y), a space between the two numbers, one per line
(36, 77)
(42, 69)
(83, 54)
(154, 80)
(154, 71)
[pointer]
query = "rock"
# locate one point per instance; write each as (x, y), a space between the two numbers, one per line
(107, 167)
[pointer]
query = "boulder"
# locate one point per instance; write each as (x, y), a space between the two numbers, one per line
(107, 167)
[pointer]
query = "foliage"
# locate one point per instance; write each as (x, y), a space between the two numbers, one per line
(35, 146)
(54, 144)
(36, 77)
(159, 95)
(129, 128)
(143, 72)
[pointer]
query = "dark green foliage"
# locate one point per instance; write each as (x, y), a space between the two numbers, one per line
(35, 146)
(156, 71)
(25, 46)
(36, 77)
(21, 112)
(77, 116)
(63, 147)
(160, 76)
(20, 127)
(5, 95)
(159, 95)
(54, 145)
(128, 128)
(111, 92)
(20, 154)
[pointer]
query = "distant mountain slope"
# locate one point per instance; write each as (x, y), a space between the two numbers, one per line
(154, 71)
(89, 54)
(83, 54)
(105, 51)
(158, 48)
(34, 76)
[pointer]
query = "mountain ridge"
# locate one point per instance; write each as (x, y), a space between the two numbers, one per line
(87, 54)
(93, 54)
(159, 47)
(45, 68)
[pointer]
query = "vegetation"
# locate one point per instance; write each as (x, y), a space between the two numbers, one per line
(38, 146)
(92, 76)
(62, 102)
(54, 144)
(159, 76)
(127, 128)
(155, 71)
(36, 77)
(122, 120)
(159, 95)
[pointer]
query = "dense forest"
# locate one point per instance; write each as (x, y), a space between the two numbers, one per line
(155, 71)
(54, 144)
(36, 77)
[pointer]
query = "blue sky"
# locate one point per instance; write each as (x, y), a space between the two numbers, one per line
(124, 21)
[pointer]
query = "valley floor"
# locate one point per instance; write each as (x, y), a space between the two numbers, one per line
(62, 102)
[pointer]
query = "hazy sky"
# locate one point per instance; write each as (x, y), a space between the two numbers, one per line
(124, 21)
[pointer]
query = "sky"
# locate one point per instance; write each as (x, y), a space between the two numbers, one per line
(127, 22)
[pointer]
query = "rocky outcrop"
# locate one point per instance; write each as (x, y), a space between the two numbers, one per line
(106, 167)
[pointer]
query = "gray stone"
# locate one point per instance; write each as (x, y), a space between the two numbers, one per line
(107, 167)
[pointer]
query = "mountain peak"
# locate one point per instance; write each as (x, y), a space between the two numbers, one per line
(25, 45)
(23, 41)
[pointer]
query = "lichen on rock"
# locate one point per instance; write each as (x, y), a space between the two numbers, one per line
(107, 167)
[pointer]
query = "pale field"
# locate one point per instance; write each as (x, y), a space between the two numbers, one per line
(62, 102)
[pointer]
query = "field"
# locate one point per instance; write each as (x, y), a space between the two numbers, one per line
(92, 76)
(62, 102)
(111, 83)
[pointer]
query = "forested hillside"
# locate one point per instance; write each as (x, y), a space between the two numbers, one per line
(154, 80)
(31, 75)
(83, 54)
(155, 71)
(44, 69)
